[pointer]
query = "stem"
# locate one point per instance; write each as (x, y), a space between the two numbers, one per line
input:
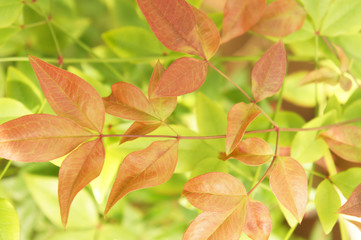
(290, 232)
(256, 58)
(330, 164)
(33, 25)
(5, 169)
(317, 107)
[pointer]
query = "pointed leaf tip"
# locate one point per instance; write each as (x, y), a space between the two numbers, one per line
(353, 205)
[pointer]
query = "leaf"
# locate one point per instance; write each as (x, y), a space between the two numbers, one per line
(269, 72)
(138, 42)
(128, 102)
(327, 203)
(218, 225)
(347, 180)
(70, 96)
(317, 10)
(207, 165)
(11, 108)
(342, 18)
(164, 106)
(239, 117)
(280, 18)
(144, 168)
(356, 223)
(208, 33)
(215, 192)
(252, 151)
(288, 182)
(325, 74)
(258, 221)
(7, 33)
(78, 169)
(139, 128)
(174, 24)
(9, 221)
(240, 16)
(40, 137)
(9, 11)
(344, 141)
(184, 75)
(353, 205)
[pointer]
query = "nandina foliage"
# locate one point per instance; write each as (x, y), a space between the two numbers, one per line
(228, 209)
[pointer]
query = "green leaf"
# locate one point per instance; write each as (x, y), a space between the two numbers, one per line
(7, 33)
(11, 108)
(305, 147)
(210, 164)
(347, 180)
(9, 222)
(75, 234)
(21, 88)
(133, 42)
(327, 203)
(109, 231)
(352, 111)
(316, 10)
(9, 11)
(211, 120)
(343, 17)
(195, 3)
(44, 191)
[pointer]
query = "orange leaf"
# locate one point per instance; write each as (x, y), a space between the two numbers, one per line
(288, 182)
(69, 95)
(40, 138)
(281, 18)
(226, 225)
(145, 168)
(258, 221)
(128, 102)
(184, 75)
(240, 16)
(356, 223)
(239, 117)
(208, 33)
(174, 24)
(269, 72)
(252, 151)
(344, 141)
(214, 191)
(164, 106)
(353, 205)
(139, 128)
(78, 169)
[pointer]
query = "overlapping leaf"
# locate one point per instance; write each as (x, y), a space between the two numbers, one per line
(288, 182)
(174, 24)
(149, 167)
(40, 137)
(183, 76)
(281, 18)
(269, 72)
(239, 117)
(326, 75)
(78, 169)
(258, 221)
(214, 191)
(139, 128)
(240, 16)
(345, 142)
(218, 225)
(353, 205)
(252, 151)
(70, 96)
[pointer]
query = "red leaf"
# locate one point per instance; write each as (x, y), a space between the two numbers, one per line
(214, 191)
(128, 102)
(164, 106)
(353, 205)
(252, 151)
(145, 168)
(258, 221)
(344, 141)
(269, 72)
(174, 24)
(226, 225)
(281, 18)
(139, 128)
(40, 138)
(240, 16)
(239, 117)
(288, 182)
(78, 169)
(208, 33)
(184, 75)
(69, 95)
